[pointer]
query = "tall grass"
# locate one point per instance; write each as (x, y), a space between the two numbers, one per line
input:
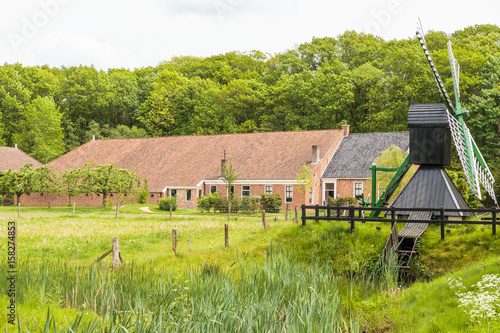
(279, 295)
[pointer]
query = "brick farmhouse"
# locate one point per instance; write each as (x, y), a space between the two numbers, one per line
(191, 166)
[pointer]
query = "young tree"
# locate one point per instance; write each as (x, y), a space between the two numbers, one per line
(46, 180)
(72, 183)
(229, 177)
(305, 179)
(18, 182)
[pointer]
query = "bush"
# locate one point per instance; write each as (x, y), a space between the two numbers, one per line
(221, 204)
(271, 203)
(249, 205)
(1, 199)
(143, 195)
(343, 201)
(206, 202)
(164, 203)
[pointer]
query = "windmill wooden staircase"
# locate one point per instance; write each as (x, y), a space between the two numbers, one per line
(403, 244)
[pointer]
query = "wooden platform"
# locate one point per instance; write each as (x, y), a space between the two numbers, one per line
(415, 230)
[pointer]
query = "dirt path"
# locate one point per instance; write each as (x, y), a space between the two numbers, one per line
(146, 209)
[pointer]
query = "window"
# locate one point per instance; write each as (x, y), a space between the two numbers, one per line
(288, 194)
(329, 191)
(269, 189)
(232, 189)
(173, 193)
(358, 189)
(152, 195)
(213, 188)
(245, 191)
(200, 193)
(188, 195)
(310, 195)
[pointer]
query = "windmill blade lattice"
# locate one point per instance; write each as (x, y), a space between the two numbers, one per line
(455, 71)
(478, 173)
(437, 77)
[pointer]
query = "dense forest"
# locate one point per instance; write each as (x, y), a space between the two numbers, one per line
(355, 78)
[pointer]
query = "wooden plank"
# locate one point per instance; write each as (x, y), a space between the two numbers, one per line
(415, 230)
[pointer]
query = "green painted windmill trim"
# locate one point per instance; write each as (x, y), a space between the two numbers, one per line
(391, 188)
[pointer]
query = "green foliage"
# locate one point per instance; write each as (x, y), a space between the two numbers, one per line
(222, 204)
(392, 157)
(304, 178)
(164, 203)
(143, 193)
(343, 201)
(41, 134)
(107, 179)
(249, 205)
(206, 202)
(46, 181)
(271, 203)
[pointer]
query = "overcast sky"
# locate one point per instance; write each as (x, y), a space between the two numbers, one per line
(134, 34)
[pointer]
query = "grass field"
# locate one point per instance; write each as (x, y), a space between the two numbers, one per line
(286, 278)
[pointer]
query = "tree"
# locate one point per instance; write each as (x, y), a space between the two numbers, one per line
(229, 176)
(72, 183)
(305, 179)
(41, 134)
(108, 179)
(18, 182)
(392, 157)
(46, 180)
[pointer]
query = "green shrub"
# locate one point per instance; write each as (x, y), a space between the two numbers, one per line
(271, 203)
(164, 203)
(221, 204)
(143, 195)
(1, 199)
(343, 201)
(206, 202)
(249, 205)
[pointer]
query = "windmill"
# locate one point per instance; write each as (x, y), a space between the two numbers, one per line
(475, 168)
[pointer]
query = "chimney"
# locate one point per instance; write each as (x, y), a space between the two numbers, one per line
(345, 129)
(15, 146)
(315, 154)
(93, 137)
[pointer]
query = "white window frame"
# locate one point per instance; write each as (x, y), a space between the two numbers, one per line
(288, 199)
(213, 186)
(268, 187)
(190, 195)
(354, 189)
(243, 190)
(172, 194)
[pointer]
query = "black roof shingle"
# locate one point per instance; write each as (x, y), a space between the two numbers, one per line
(357, 152)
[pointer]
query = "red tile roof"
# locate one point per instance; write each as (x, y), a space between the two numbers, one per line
(14, 158)
(187, 160)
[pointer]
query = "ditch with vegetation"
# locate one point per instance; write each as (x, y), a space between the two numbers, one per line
(318, 278)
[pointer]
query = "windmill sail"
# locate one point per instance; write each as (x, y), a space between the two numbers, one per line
(475, 168)
(437, 77)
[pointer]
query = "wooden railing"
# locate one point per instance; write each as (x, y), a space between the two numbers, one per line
(356, 214)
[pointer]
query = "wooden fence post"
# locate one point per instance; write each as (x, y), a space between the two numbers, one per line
(494, 221)
(351, 217)
(264, 220)
(393, 217)
(441, 216)
(18, 209)
(296, 219)
(303, 215)
(170, 211)
(286, 213)
(324, 210)
(174, 240)
(74, 203)
(117, 207)
(116, 252)
(226, 235)
(316, 212)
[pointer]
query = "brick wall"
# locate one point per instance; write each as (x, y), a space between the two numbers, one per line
(89, 200)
